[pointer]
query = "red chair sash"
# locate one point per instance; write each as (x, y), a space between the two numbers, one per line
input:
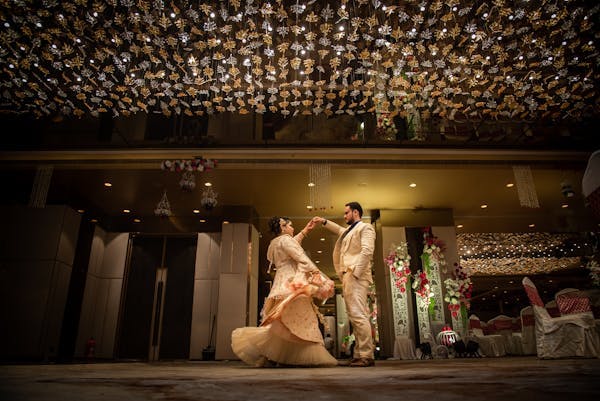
(533, 296)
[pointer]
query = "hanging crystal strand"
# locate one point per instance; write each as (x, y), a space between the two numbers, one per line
(320, 192)
(525, 187)
(41, 184)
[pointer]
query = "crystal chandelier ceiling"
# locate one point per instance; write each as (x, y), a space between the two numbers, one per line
(471, 59)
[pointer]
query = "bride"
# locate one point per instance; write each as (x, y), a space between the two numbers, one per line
(289, 332)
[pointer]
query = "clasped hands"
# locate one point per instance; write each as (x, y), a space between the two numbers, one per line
(311, 224)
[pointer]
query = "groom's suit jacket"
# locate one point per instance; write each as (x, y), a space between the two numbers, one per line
(354, 251)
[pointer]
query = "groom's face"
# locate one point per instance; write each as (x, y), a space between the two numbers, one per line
(350, 216)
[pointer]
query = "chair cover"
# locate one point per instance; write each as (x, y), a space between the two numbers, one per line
(565, 336)
(490, 345)
(571, 300)
(552, 308)
(404, 348)
(504, 326)
(528, 331)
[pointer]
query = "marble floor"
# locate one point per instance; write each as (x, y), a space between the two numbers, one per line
(506, 379)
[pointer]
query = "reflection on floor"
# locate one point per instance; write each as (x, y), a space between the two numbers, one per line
(511, 378)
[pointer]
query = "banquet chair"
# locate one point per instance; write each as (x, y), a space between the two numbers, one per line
(490, 345)
(504, 326)
(552, 308)
(564, 336)
(528, 331)
(571, 300)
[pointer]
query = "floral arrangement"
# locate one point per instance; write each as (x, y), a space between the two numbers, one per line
(458, 290)
(398, 261)
(433, 252)
(421, 286)
(197, 164)
(594, 268)
(386, 129)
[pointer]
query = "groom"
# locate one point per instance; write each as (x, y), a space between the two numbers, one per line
(352, 259)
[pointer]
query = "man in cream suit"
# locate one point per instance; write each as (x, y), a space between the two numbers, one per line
(352, 259)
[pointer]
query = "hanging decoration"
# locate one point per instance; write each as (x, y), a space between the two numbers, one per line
(41, 184)
(450, 59)
(188, 181)
(525, 187)
(196, 164)
(521, 253)
(209, 199)
(163, 208)
(319, 187)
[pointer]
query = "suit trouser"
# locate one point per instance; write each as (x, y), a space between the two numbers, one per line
(355, 296)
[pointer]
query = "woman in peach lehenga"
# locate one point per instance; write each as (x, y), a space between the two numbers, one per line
(289, 333)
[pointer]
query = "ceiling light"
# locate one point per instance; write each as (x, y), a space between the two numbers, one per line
(93, 220)
(565, 205)
(81, 210)
(412, 185)
(202, 221)
(319, 251)
(510, 185)
(126, 211)
(137, 220)
(309, 207)
(311, 184)
(208, 184)
(322, 238)
(107, 184)
(459, 226)
(483, 206)
(531, 225)
(225, 222)
(196, 211)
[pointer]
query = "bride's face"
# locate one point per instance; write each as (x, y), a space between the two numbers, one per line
(287, 227)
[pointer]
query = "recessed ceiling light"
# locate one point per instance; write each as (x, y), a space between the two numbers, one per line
(531, 225)
(317, 261)
(483, 206)
(309, 207)
(94, 220)
(225, 222)
(107, 184)
(136, 220)
(208, 184)
(319, 251)
(565, 205)
(412, 185)
(126, 211)
(196, 211)
(510, 185)
(202, 221)
(322, 238)
(80, 210)
(311, 184)
(459, 226)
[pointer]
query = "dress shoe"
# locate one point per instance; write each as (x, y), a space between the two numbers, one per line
(363, 363)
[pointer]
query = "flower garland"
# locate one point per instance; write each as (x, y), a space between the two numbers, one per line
(421, 286)
(398, 261)
(197, 164)
(433, 252)
(458, 291)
